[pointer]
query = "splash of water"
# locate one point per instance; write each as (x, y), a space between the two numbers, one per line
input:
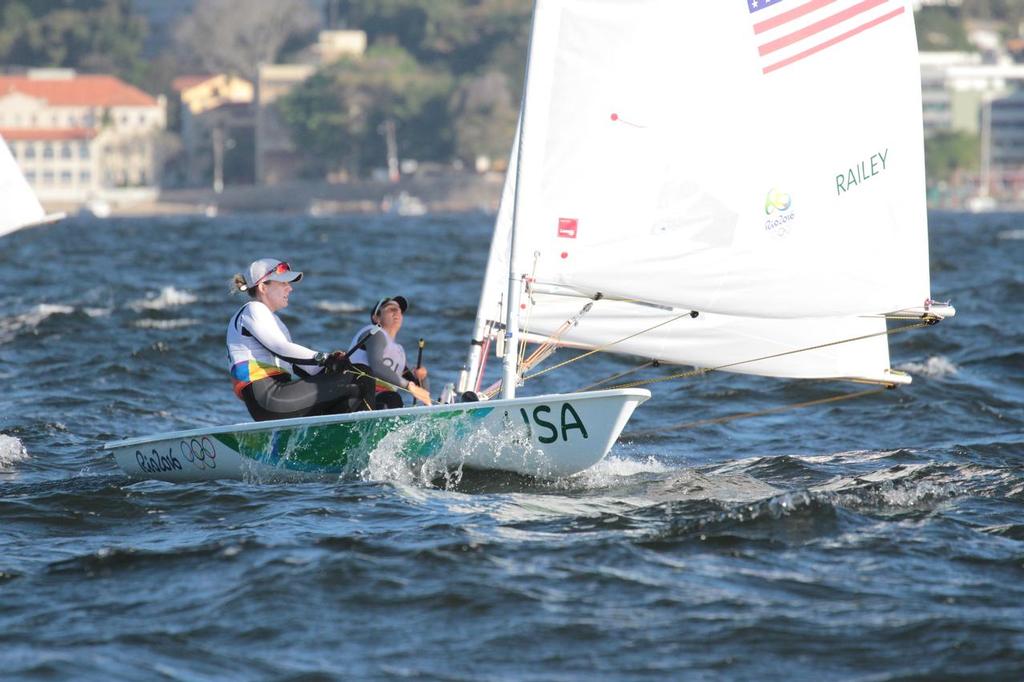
(935, 367)
(11, 451)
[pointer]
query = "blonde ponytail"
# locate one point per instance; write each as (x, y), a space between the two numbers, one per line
(238, 285)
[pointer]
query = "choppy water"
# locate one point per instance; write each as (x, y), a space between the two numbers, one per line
(872, 540)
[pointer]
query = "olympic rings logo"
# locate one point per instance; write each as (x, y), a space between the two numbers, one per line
(200, 452)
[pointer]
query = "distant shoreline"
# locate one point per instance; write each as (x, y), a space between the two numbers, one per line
(455, 192)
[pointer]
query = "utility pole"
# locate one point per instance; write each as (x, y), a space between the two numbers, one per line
(218, 158)
(387, 129)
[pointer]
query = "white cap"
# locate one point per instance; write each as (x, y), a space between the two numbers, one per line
(266, 269)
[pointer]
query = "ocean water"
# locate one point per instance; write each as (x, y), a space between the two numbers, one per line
(874, 539)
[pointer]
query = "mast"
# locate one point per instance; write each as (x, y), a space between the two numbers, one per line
(510, 362)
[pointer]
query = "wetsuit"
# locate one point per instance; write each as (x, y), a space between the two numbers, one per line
(385, 358)
(277, 378)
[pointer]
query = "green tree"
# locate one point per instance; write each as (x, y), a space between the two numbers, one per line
(461, 35)
(946, 153)
(336, 115)
(484, 117)
(941, 29)
(93, 35)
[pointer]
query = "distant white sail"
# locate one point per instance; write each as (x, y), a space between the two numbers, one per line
(21, 208)
(664, 161)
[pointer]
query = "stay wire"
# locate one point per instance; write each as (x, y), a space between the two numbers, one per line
(604, 347)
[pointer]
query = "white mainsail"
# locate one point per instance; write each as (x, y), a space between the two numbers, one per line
(659, 144)
(666, 161)
(21, 208)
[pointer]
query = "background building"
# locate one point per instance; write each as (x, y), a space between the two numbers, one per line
(277, 159)
(217, 129)
(80, 137)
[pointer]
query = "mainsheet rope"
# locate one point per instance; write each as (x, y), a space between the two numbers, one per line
(929, 321)
(759, 413)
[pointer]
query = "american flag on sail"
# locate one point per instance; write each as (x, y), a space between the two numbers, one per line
(790, 31)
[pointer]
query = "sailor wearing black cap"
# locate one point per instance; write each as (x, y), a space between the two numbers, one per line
(376, 348)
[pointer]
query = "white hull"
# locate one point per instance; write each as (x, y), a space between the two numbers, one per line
(544, 436)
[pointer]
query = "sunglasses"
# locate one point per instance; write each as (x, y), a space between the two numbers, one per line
(279, 269)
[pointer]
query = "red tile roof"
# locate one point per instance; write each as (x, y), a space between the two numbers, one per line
(48, 134)
(81, 90)
(182, 83)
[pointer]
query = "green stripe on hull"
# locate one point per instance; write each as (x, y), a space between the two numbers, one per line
(335, 448)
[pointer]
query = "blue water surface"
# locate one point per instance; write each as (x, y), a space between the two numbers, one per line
(874, 539)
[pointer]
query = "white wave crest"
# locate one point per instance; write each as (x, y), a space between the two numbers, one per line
(341, 307)
(12, 326)
(935, 367)
(168, 297)
(1011, 234)
(97, 312)
(166, 324)
(11, 450)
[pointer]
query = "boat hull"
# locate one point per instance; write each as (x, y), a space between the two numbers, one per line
(545, 436)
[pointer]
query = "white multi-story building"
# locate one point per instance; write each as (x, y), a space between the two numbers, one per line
(78, 137)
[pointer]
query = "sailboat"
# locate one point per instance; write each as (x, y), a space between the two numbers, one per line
(735, 187)
(21, 208)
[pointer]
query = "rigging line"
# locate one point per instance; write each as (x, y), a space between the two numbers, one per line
(606, 346)
(619, 375)
(545, 349)
(355, 371)
(704, 370)
(759, 413)
(550, 344)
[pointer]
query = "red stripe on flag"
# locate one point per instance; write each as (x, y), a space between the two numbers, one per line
(833, 41)
(819, 26)
(786, 17)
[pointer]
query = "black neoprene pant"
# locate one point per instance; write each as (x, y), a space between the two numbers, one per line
(278, 398)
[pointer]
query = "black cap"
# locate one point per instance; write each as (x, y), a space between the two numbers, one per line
(400, 300)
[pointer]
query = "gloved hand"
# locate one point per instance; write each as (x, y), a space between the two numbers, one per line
(336, 362)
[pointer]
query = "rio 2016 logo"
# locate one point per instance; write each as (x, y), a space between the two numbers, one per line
(778, 202)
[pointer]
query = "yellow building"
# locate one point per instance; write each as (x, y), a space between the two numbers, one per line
(216, 116)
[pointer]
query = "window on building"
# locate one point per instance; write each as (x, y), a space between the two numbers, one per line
(84, 177)
(30, 150)
(47, 150)
(83, 150)
(65, 177)
(65, 150)
(47, 177)
(14, 149)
